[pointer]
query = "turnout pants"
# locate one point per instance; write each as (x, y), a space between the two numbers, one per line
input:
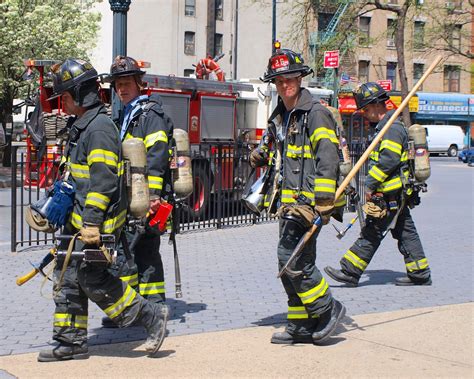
(308, 295)
(147, 274)
(83, 281)
(358, 257)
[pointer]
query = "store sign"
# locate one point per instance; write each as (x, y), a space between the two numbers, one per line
(331, 59)
(412, 104)
(471, 106)
(440, 106)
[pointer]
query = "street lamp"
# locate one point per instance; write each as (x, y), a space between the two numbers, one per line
(119, 44)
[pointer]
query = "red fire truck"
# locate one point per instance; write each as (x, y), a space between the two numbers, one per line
(221, 124)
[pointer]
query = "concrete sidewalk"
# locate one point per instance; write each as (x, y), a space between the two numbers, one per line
(417, 343)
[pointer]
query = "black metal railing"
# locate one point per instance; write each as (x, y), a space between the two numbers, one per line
(220, 174)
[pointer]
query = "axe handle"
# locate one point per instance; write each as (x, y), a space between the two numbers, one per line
(382, 132)
(23, 279)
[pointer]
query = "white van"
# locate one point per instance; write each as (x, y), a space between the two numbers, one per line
(448, 139)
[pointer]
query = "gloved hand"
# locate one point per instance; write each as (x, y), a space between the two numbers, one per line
(154, 205)
(373, 210)
(324, 208)
(258, 158)
(90, 234)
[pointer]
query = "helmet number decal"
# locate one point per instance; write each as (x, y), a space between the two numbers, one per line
(280, 62)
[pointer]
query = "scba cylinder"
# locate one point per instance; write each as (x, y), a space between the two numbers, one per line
(417, 134)
(183, 175)
(134, 153)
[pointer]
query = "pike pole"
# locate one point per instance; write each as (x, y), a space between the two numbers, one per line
(317, 221)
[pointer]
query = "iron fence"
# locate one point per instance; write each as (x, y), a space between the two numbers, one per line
(220, 174)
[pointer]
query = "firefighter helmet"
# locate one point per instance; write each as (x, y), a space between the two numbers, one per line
(123, 66)
(35, 216)
(284, 62)
(369, 93)
(71, 75)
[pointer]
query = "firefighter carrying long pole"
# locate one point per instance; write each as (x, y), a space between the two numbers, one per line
(287, 268)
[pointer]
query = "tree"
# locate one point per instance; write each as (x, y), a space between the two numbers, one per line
(40, 29)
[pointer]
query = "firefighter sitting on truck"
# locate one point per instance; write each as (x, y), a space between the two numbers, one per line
(142, 117)
(303, 133)
(91, 173)
(389, 196)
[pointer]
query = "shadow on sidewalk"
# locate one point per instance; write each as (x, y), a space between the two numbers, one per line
(375, 277)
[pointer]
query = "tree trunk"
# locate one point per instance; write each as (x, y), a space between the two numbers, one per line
(400, 43)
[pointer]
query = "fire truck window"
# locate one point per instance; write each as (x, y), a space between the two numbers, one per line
(189, 43)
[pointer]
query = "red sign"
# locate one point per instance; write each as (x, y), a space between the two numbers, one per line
(385, 84)
(331, 59)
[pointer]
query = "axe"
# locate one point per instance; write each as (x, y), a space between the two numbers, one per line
(37, 268)
(287, 268)
(359, 216)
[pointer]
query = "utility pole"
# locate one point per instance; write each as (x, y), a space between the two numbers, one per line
(119, 44)
(274, 12)
(236, 40)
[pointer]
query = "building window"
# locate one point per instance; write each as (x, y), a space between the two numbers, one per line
(364, 71)
(219, 9)
(189, 43)
(418, 69)
(391, 25)
(456, 37)
(452, 75)
(419, 35)
(393, 1)
(392, 74)
(188, 72)
(364, 30)
(453, 5)
(218, 44)
(190, 7)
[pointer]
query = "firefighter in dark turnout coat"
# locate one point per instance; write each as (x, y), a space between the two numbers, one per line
(387, 199)
(143, 117)
(93, 164)
(304, 134)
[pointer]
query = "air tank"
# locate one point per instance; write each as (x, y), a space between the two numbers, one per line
(182, 173)
(417, 134)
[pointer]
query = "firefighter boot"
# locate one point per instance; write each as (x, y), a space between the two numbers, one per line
(342, 276)
(64, 351)
(154, 320)
(108, 323)
(407, 281)
(328, 322)
(287, 338)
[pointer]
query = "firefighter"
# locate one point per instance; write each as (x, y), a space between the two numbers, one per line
(387, 196)
(93, 167)
(143, 117)
(304, 134)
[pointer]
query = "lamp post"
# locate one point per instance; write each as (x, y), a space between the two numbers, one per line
(119, 44)
(274, 7)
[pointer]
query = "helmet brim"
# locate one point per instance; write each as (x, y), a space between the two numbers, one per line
(110, 78)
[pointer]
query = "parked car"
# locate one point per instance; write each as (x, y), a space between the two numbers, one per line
(444, 139)
(466, 155)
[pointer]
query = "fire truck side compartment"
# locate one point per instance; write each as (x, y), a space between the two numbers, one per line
(177, 108)
(217, 119)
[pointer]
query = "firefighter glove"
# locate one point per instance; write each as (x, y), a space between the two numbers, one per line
(258, 158)
(373, 210)
(90, 234)
(324, 208)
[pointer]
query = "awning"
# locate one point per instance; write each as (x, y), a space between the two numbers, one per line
(347, 105)
(446, 106)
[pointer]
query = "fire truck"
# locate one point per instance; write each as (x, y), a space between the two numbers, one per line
(222, 126)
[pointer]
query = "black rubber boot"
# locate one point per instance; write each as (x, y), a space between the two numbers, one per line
(63, 352)
(406, 281)
(155, 324)
(287, 338)
(341, 276)
(108, 323)
(328, 322)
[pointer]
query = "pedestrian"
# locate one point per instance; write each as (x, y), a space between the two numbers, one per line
(142, 117)
(388, 199)
(92, 166)
(303, 132)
